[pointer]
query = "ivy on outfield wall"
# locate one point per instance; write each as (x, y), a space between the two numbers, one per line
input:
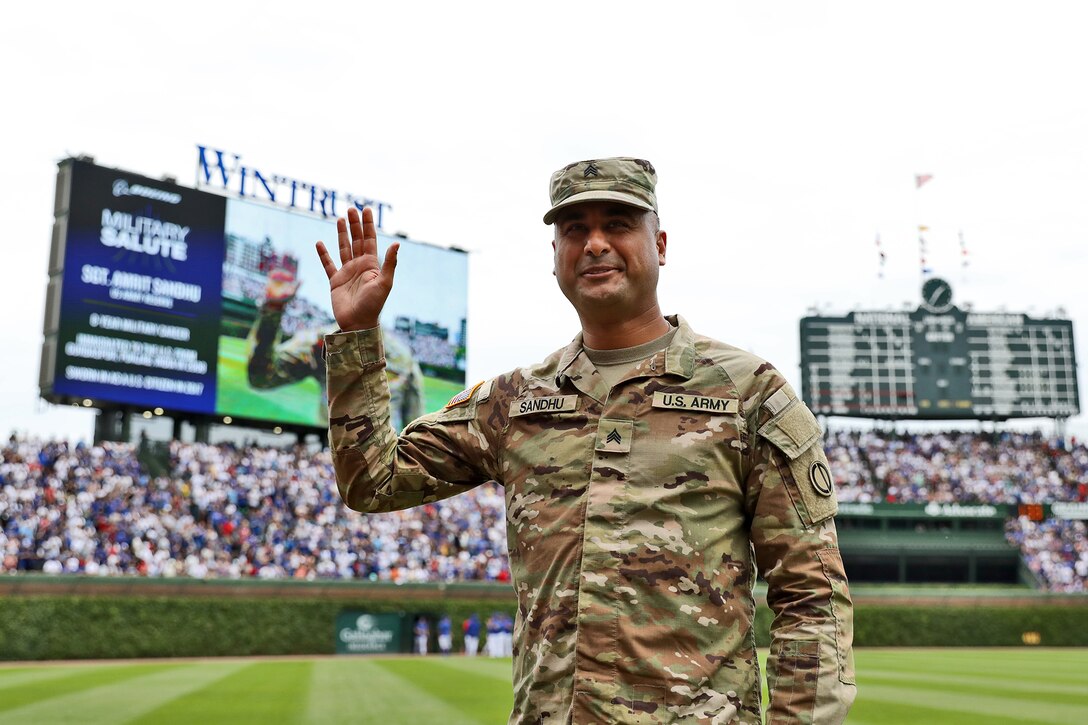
(74, 627)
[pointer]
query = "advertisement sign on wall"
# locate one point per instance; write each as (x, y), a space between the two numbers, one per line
(361, 633)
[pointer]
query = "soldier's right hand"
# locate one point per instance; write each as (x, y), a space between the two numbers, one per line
(360, 287)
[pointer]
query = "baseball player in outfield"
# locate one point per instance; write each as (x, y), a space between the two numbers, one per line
(650, 473)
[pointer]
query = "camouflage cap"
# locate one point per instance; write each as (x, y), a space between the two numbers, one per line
(626, 180)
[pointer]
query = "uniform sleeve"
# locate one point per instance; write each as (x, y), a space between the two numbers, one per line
(791, 502)
(437, 456)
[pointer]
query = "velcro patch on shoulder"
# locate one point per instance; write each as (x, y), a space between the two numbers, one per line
(792, 431)
(795, 432)
(463, 397)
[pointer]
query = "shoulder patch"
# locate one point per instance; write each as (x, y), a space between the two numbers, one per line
(463, 397)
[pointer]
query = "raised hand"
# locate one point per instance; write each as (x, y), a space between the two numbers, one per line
(360, 287)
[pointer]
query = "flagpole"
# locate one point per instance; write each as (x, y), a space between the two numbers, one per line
(920, 180)
(964, 262)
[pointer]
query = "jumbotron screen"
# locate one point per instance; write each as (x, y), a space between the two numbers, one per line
(166, 296)
(939, 362)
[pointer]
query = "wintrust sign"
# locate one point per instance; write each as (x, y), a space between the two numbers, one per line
(222, 170)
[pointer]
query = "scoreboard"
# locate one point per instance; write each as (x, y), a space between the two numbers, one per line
(939, 362)
(178, 300)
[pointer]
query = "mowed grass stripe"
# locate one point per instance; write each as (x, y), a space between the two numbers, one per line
(1077, 691)
(72, 682)
(978, 705)
(487, 700)
(1038, 666)
(356, 690)
(876, 712)
(257, 692)
(499, 668)
(121, 699)
(991, 689)
(21, 676)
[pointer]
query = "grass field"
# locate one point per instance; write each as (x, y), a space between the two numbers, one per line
(994, 686)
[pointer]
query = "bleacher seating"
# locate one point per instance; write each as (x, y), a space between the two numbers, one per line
(226, 511)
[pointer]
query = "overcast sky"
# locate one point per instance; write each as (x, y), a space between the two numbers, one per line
(785, 138)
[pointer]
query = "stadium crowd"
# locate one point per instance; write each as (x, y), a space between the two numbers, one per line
(433, 350)
(229, 511)
(959, 467)
(1055, 550)
(226, 511)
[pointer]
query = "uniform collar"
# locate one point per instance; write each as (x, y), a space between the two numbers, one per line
(677, 359)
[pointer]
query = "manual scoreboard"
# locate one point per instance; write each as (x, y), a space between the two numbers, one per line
(939, 361)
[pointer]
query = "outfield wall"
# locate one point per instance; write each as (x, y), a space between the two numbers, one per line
(45, 618)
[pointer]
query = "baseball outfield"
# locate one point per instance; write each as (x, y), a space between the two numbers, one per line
(997, 686)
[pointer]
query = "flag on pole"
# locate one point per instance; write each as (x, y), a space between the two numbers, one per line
(921, 179)
(922, 251)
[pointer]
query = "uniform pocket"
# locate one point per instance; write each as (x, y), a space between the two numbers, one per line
(797, 670)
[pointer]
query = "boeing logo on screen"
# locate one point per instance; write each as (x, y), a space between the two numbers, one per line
(122, 188)
(222, 170)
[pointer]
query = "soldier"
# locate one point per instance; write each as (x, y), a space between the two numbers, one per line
(274, 362)
(649, 473)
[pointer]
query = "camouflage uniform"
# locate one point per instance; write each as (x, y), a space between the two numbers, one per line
(274, 362)
(637, 518)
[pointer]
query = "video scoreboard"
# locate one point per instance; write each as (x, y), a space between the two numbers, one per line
(167, 298)
(939, 362)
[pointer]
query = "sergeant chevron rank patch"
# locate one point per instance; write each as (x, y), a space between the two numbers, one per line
(614, 436)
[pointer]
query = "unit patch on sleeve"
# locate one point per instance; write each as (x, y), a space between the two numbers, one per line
(686, 401)
(820, 477)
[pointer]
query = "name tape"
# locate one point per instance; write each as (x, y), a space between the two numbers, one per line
(556, 404)
(685, 401)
